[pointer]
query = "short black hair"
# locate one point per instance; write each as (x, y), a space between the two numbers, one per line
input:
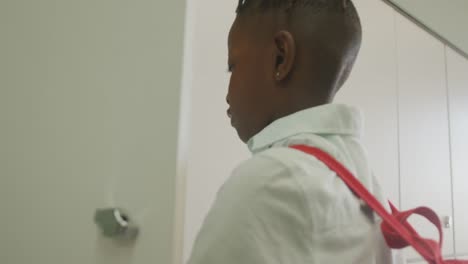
(350, 27)
(345, 7)
(286, 5)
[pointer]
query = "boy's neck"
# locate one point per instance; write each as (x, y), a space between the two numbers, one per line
(300, 104)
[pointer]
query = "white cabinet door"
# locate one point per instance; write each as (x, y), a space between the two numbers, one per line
(457, 68)
(373, 88)
(424, 134)
(89, 113)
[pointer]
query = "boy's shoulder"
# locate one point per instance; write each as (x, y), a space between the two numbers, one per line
(277, 167)
(289, 158)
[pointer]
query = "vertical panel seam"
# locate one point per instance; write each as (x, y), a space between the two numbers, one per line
(449, 124)
(397, 93)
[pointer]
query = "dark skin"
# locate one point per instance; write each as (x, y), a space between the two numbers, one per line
(279, 67)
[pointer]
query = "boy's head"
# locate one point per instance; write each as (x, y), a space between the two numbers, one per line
(286, 56)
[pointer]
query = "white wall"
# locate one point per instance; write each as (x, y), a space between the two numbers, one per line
(214, 148)
(457, 69)
(423, 126)
(441, 16)
(399, 65)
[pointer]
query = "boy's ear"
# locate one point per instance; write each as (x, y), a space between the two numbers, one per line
(285, 52)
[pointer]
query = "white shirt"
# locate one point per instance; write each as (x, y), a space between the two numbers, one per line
(283, 206)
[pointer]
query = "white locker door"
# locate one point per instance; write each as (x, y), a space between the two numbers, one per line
(89, 116)
(457, 68)
(373, 88)
(424, 133)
